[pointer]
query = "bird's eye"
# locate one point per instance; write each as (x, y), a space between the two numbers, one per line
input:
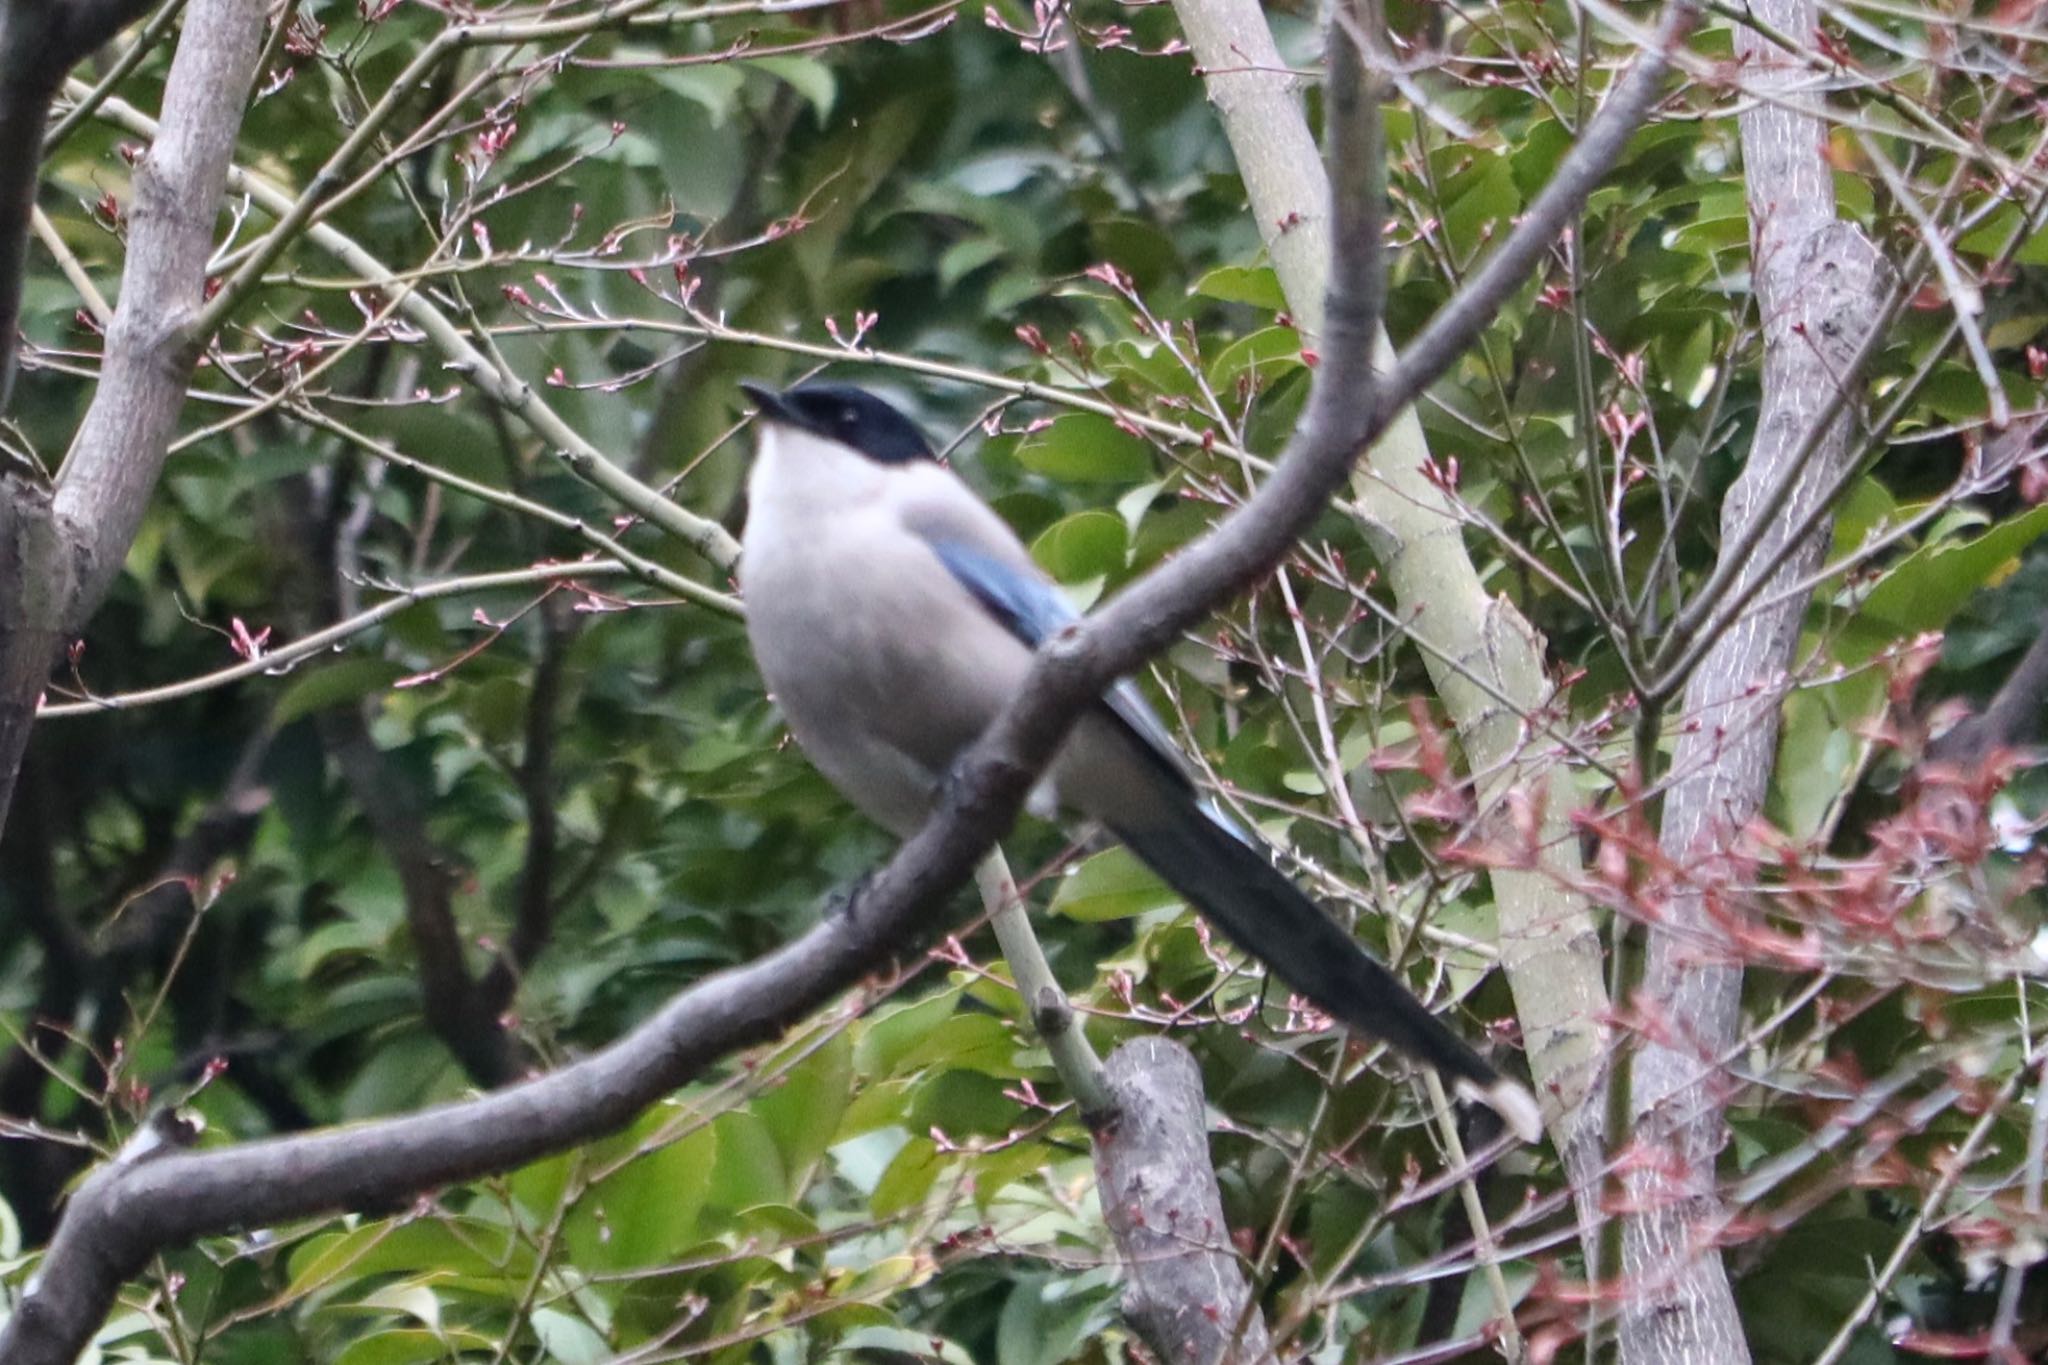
(847, 417)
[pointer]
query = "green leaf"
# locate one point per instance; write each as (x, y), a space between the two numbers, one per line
(1256, 285)
(882, 1342)
(996, 1171)
(1484, 203)
(411, 1346)
(1543, 146)
(1011, 288)
(1111, 885)
(1814, 1276)
(715, 86)
(1926, 588)
(1818, 748)
(645, 1212)
(780, 1221)
(407, 1071)
(1864, 508)
(350, 680)
(411, 1298)
(749, 1167)
(1146, 365)
(445, 437)
(568, 1340)
(889, 1034)
(876, 1104)
(1082, 548)
(965, 257)
(1042, 1323)
(908, 1179)
(1136, 247)
(802, 1111)
(469, 1247)
(1998, 229)
(807, 76)
(1260, 359)
(980, 1041)
(963, 1104)
(539, 1187)
(341, 938)
(1086, 447)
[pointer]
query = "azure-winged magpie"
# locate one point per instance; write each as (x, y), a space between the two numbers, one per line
(894, 614)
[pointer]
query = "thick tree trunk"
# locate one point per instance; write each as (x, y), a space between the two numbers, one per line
(1483, 657)
(1184, 1289)
(34, 591)
(1817, 283)
(60, 548)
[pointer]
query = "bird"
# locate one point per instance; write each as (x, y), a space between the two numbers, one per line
(893, 614)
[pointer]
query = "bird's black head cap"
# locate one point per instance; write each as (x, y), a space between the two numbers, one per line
(847, 414)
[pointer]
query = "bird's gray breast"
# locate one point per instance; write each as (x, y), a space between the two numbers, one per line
(883, 665)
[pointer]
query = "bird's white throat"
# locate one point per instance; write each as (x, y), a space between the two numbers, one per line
(800, 477)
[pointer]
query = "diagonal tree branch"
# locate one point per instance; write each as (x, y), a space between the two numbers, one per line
(2010, 720)
(1185, 1289)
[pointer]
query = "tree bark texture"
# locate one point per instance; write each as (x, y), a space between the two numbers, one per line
(1184, 1289)
(1818, 284)
(60, 548)
(39, 41)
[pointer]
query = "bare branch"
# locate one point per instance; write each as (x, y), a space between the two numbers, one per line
(280, 659)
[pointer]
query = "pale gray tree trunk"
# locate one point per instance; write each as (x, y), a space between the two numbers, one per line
(62, 541)
(1184, 1285)
(1485, 659)
(1817, 284)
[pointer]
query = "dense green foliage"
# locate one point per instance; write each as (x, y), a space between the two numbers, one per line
(590, 771)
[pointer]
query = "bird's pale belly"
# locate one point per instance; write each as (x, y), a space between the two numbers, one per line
(884, 673)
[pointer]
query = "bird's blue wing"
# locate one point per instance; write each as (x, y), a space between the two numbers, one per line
(1033, 610)
(1029, 607)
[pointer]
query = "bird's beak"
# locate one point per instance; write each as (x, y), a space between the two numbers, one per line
(771, 402)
